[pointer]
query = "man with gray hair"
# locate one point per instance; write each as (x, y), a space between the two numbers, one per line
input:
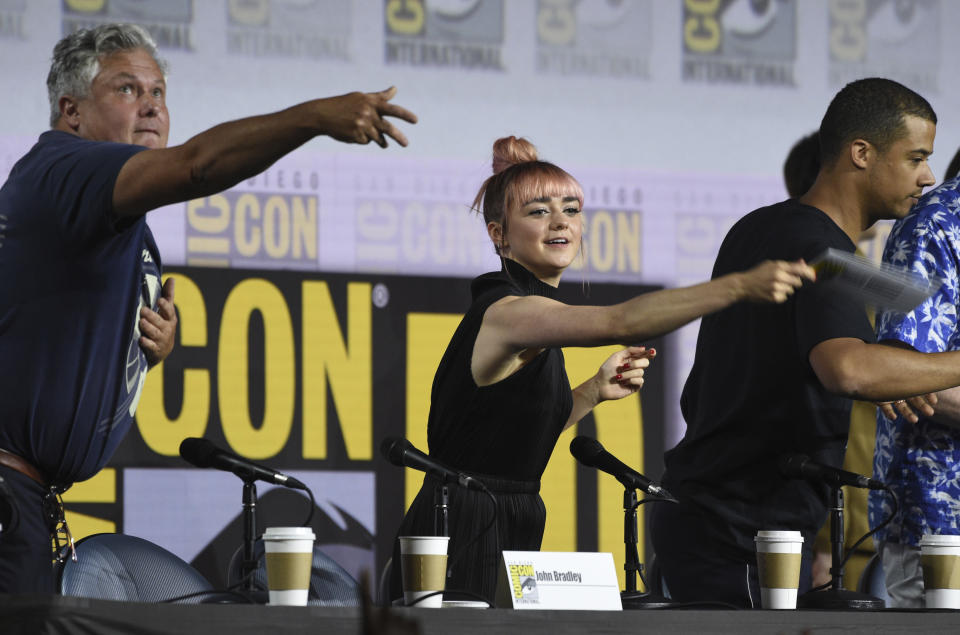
(82, 312)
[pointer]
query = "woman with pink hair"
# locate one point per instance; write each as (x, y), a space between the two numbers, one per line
(501, 396)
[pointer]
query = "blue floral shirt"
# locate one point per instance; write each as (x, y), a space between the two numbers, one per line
(921, 462)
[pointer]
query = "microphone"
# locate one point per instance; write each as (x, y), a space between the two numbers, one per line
(203, 453)
(589, 452)
(801, 466)
(401, 453)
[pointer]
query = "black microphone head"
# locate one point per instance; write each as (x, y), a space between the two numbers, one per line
(791, 465)
(199, 452)
(586, 450)
(393, 448)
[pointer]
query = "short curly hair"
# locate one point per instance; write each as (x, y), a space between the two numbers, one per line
(871, 109)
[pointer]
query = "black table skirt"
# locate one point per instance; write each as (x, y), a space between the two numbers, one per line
(42, 615)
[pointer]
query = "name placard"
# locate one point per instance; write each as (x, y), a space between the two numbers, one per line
(558, 580)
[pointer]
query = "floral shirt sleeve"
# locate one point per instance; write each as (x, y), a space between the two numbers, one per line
(921, 462)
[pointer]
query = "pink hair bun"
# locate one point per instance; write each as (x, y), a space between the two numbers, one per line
(509, 151)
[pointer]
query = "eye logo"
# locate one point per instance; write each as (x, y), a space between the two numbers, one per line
(595, 38)
(170, 23)
(523, 583)
(316, 30)
(740, 41)
(444, 33)
(877, 38)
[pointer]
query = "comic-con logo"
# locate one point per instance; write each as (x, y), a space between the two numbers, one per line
(313, 29)
(878, 38)
(169, 22)
(523, 583)
(253, 229)
(607, 38)
(739, 41)
(446, 33)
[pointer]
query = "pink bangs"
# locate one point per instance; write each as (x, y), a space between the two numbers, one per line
(538, 179)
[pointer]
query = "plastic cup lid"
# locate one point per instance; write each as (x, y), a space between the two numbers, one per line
(938, 540)
(287, 533)
(778, 535)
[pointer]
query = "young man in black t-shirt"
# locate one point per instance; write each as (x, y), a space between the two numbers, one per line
(768, 381)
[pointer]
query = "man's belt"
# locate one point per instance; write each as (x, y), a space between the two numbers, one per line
(53, 512)
(18, 464)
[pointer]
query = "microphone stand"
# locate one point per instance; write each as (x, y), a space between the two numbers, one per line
(441, 504)
(630, 598)
(836, 597)
(248, 565)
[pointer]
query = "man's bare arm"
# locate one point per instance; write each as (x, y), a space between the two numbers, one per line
(878, 372)
(226, 154)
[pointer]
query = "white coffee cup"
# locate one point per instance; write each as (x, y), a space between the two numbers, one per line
(940, 561)
(289, 553)
(423, 565)
(778, 563)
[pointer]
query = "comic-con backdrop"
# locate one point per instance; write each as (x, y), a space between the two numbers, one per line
(316, 298)
(308, 373)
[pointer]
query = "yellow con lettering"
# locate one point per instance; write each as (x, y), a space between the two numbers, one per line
(619, 425)
(102, 488)
(278, 226)
(247, 242)
(629, 239)
(612, 242)
(515, 581)
(347, 366)
(209, 223)
(282, 226)
(304, 227)
(416, 232)
(602, 252)
(266, 440)
(427, 338)
(209, 216)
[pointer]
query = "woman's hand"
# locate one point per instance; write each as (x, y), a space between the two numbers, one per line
(775, 280)
(622, 374)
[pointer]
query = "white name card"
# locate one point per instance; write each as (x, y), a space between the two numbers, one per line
(558, 580)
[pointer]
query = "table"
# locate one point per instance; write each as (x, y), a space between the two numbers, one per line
(49, 614)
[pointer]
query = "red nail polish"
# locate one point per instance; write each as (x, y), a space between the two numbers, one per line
(618, 377)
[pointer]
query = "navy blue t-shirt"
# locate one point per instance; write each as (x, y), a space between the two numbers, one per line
(72, 283)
